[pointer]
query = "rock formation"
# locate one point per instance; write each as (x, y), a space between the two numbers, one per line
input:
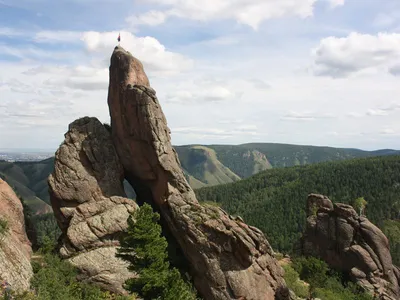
(229, 259)
(88, 200)
(352, 244)
(15, 248)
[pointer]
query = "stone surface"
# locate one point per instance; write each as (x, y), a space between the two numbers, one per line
(350, 243)
(229, 259)
(15, 248)
(88, 200)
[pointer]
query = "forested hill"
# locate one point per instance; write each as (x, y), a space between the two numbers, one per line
(219, 164)
(203, 166)
(287, 155)
(275, 200)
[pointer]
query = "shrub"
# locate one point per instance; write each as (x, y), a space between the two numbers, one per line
(293, 282)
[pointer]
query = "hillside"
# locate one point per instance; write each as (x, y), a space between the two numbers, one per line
(275, 200)
(248, 159)
(286, 155)
(203, 166)
(29, 180)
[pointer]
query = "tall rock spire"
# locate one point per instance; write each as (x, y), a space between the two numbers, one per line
(228, 258)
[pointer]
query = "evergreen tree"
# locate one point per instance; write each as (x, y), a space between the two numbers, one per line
(146, 251)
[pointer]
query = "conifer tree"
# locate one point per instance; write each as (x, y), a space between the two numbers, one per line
(145, 250)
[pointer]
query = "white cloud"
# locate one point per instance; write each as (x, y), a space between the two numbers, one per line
(10, 32)
(155, 57)
(56, 37)
(391, 107)
(305, 116)
(377, 112)
(196, 94)
(335, 3)
(390, 133)
(33, 53)
(247, 12)
(383, 20)
(260, 84)
(355, 115)
(395, 70)
(151, 18)
(297, 116)
(201, 132)
(341, 57)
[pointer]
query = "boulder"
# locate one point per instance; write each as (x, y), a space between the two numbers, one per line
(90, 204)
(15, 248)
(351, 244)
(228, 258)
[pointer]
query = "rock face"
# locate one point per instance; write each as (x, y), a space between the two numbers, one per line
(350, 243)
(88, 200)
(229, 259)
(15, 248)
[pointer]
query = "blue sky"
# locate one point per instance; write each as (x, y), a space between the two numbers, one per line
(321, 72)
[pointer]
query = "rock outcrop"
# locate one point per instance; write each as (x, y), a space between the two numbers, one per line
(352, 244)
(229, 259)
(15, 248)
(90, 205)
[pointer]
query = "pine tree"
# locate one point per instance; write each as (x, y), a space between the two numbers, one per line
(146, 251)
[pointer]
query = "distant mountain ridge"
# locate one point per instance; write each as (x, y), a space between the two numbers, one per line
(203, 165)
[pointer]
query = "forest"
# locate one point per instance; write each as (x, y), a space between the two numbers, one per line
(275, 200)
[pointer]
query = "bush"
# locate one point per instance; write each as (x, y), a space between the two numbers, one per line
(55, 279)
(293, 282)
(324, 283)
(312, 270)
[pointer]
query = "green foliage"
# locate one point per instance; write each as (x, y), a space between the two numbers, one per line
(314, 209)
(391, 228)
(55, 279)
(42, 230)
(284, 155)
(47, 246)
(202, 167)
(29, 179)
(293, 282)
(47, 231)
(334, 290)
(275, 200)
(323, 282)
(3, 227)
(210, 203)
(359, 205)
(146, 251)
(312, 270)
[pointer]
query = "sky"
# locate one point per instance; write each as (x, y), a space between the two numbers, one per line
(315, 72)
